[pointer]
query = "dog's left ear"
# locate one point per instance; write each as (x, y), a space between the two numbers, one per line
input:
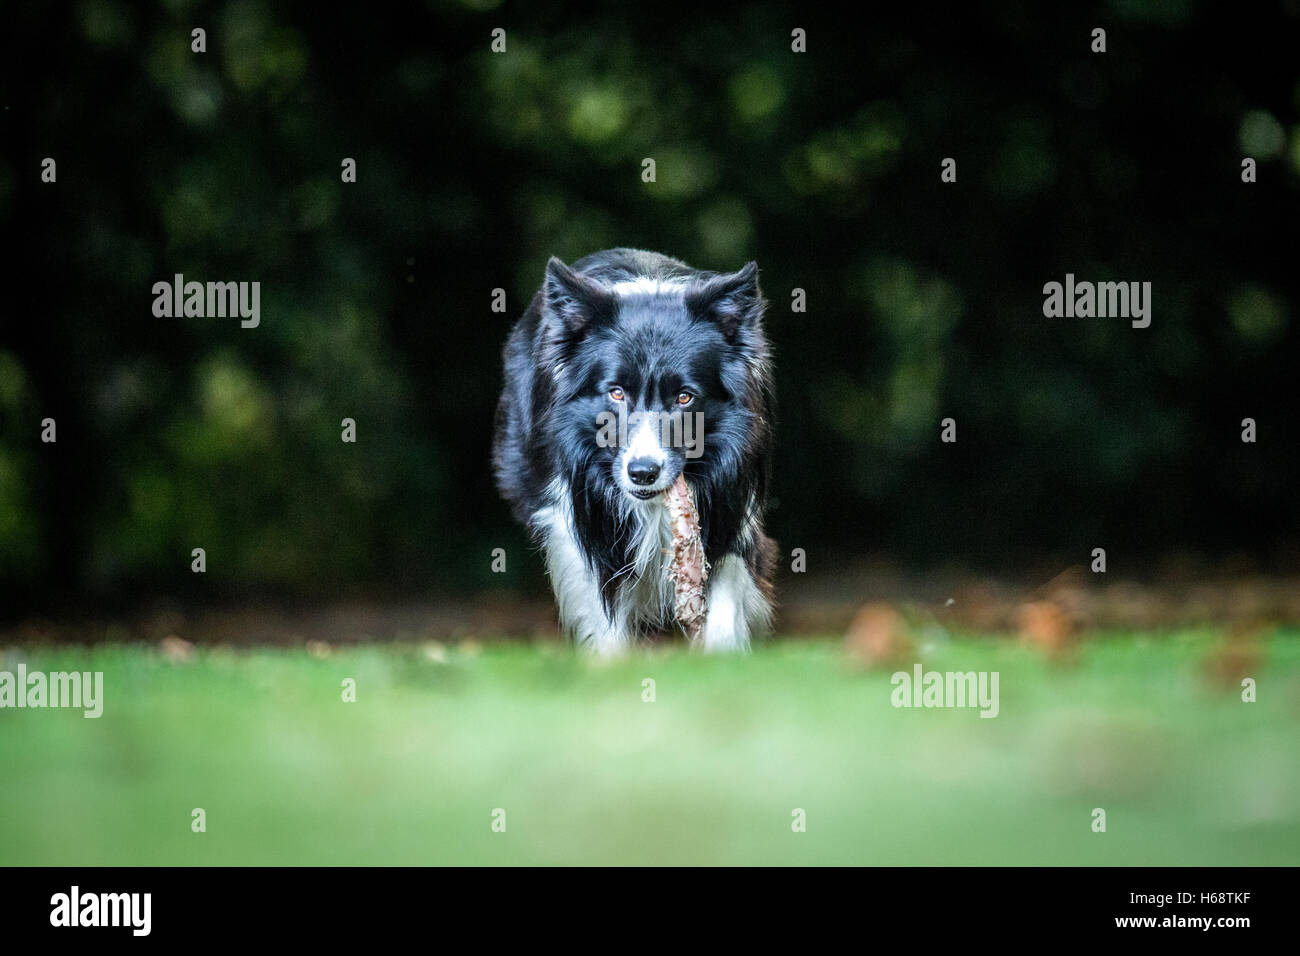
(733, 301)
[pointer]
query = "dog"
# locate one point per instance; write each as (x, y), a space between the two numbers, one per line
(633, 336)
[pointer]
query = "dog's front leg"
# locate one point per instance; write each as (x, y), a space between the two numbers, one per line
(736, 607)
(583, 616)
(607, 641)
(577, 595)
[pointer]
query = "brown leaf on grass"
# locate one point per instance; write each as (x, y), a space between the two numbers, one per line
(1045, 625)
(1069, 591)
(878, 636)
(1237, 657)
(1227, 665)
(176, 649)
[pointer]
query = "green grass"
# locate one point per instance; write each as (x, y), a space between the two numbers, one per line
(708, 773)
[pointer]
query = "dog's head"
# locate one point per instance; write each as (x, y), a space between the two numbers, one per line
(654, 377)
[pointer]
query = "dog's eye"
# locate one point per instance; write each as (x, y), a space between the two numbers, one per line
(616, 394)
(684, 398)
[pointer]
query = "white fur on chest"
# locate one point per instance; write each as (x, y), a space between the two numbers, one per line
(736, 606)
(644, 591)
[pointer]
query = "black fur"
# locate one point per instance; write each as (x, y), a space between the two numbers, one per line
(710, 340)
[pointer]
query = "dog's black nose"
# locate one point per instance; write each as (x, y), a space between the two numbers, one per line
(643, 471)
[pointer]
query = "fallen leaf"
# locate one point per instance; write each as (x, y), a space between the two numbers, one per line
(878, 636)
(1046, 626)
(176, 649)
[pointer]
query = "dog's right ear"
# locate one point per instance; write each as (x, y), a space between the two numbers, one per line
(572, 303)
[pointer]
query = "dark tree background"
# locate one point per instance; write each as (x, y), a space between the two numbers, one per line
(924, 299)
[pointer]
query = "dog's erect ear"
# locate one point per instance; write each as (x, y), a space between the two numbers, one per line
(574, 303)
(733, 301)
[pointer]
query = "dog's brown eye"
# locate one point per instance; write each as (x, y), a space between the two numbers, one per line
(685, 398)
(616, 394)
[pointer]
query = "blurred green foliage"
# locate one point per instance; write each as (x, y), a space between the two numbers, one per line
(924, 298)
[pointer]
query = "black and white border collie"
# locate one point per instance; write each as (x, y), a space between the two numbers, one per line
(635, 336)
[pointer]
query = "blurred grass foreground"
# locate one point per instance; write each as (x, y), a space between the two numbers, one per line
(666, 758)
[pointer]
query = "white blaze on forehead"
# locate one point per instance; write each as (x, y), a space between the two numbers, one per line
(644, 440)
(647, 285)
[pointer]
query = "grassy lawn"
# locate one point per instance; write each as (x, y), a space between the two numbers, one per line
(710, 772)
